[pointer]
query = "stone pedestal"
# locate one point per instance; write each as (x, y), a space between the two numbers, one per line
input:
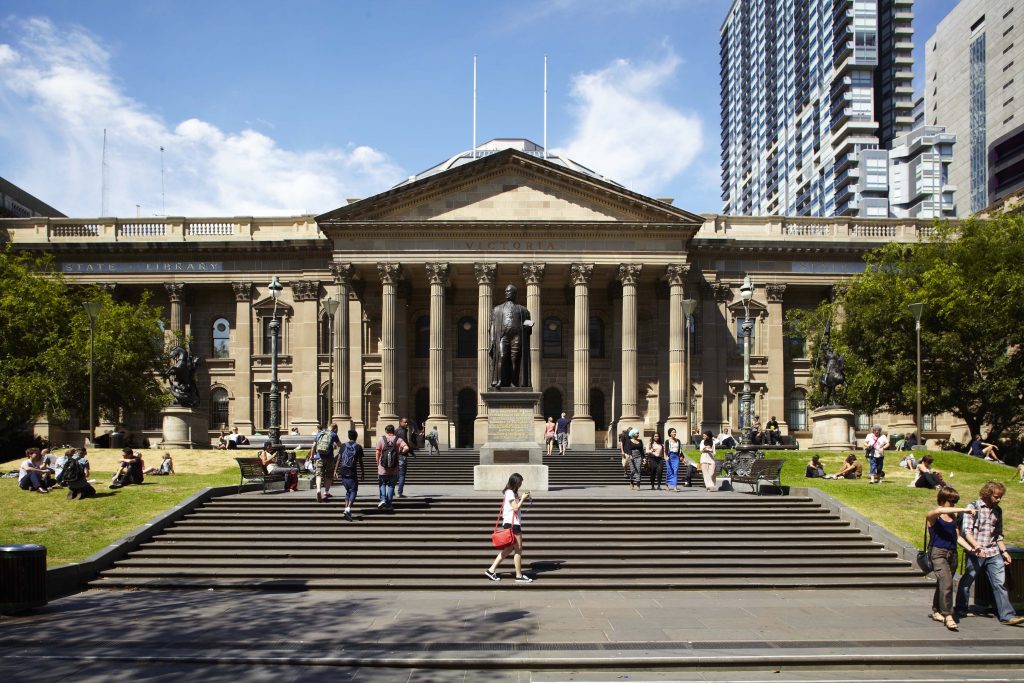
(831, 429)
(511, 444)
(184, 427)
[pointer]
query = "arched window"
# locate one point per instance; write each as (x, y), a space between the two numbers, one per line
(597, 407)
(465, 338)
(552, 345)
(797, 416)
(422, 338)
(219, 417)
(596, 337)
(221, 338)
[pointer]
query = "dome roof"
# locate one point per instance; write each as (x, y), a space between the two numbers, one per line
(498, 145)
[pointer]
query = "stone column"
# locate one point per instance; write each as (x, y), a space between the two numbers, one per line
(176, 295)
(776, 355)
(485, 302)
(241, 353)
(390, 275)
(678, 416)
(437, 275)
(533, 273)
(302, 347)
(716, 342)
(340, 412)
(629, 275)
(582, 428)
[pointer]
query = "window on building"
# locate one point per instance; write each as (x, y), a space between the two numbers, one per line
(465, 338)
(421, 344)
(324, 337)
(219, 418)
(552, 340)
(796, 345)
(267, 339)
(797, 416)
(596, 337)
(221, 338)
(323, 406)
(862, 422)
(927, 423)
(739, 335)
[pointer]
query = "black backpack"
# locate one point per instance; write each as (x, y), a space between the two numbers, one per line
(389, 454)
(348, 457)
(72, 472)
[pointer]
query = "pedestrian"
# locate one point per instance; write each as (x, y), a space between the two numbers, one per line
(432, 441)
(549, 434)
(655, 461)
(942, 531)
(350, 458)
(511, 518)
(874, 448)
(562, 433)
(674, 451)
(635, 450)
(388, 451)
(707, 461)
(326, 445)
(982, 528)
(624, 451)
(406, 433)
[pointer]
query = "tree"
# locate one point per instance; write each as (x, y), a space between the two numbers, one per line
(44, 347)
(970, 277)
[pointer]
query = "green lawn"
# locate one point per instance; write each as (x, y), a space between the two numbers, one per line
(74, 530)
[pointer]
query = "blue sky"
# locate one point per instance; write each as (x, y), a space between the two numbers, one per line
(269, 107)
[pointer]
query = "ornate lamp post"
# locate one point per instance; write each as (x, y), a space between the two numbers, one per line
(92, 309)
(746, 397)
(275, 288)
(688, 307)
(917, 310)
(331, 306)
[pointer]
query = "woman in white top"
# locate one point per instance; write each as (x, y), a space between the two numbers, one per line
(707, 461)
(511, 519)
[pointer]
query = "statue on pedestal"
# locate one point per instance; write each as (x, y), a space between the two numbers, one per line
(181, 377)
(833, 374)
(510, 343)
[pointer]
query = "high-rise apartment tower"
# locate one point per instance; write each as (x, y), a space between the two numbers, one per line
(806, 86)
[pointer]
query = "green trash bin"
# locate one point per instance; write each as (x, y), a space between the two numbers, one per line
(22, 578)
(1014, 583)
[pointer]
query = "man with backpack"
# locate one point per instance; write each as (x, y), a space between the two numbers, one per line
(324, 468)
(982, 528)
(388, 450)
(351, 457)
(405, 433)
(74, 475)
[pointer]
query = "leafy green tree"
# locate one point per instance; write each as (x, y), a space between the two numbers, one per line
(44, 347)
(970, 278)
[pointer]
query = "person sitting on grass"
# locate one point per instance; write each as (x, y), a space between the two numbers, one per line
(908, 461)
(851, 469)
(129, 470)
(814, 468)
(166, 467)
(33, 475)
(984, 450)
(74, 475)
(928, 478)
(1020, 473)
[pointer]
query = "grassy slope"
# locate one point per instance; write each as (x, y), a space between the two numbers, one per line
(73, 531)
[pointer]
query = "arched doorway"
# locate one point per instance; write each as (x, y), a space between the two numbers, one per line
(552, 403)
(597, 410)
(371, 409)
(422, 406)
(464, 418)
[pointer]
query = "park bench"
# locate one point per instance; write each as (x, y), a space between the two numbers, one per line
(762, 472)
(253, 472)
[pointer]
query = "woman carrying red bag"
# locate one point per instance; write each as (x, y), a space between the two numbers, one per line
(511, 519)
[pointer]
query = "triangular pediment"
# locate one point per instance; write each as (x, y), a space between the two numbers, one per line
(509, 186)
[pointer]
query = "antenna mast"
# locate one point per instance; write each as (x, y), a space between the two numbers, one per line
(545, 106)
(163, 197)
(104, 178)
(474, 106)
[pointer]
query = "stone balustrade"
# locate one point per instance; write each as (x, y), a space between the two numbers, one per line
(57, 230)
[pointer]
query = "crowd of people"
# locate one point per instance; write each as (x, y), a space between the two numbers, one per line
(42, 471)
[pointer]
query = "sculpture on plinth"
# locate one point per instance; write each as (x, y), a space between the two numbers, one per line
(833, 373)
(181, 376)
(510, 343)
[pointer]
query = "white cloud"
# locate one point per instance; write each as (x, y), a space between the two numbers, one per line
(625, 131)
(58, 94)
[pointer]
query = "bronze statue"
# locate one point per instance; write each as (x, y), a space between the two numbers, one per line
(510, 343)
(833, 374)
(181, 377)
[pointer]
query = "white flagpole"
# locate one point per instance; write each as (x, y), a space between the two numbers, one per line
(474, 106)
(545, 106)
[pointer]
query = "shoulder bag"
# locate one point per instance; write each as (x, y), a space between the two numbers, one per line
(924, 558)
(502, 538)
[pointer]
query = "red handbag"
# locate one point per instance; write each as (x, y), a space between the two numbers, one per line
(502, 537)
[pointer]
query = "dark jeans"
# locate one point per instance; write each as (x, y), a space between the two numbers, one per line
(656, 467)
(996, 572)
(403, 467)
(351, 485)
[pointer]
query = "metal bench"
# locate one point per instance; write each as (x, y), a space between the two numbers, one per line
(762, 472)
(253, 472)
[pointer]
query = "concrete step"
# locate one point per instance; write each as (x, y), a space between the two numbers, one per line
(348, 551)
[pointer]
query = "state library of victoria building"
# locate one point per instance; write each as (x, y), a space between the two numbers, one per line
(418, 268)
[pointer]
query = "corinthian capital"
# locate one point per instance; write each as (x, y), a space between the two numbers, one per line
(580, 273)
(437, 274)
(390, 273)
(342, 274)
(175, 291)
(306, 290)
(774, 292)
(676, 273)
(629, 274)
(485, 273)
(243, 290)
(533, 273)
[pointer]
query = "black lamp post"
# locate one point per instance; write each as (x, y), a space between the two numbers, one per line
(746, 396)
(92, 309)
(688, 307)
(275, 287)
(917, 310)
(331, 306)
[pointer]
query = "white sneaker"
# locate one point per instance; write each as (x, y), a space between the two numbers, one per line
(524, 579)
(380, 505)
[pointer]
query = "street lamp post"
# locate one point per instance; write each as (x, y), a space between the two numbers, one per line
(746, 397)
(917, 310)
(275, 288)
(331, 306)
(92, 309)
(688, 307)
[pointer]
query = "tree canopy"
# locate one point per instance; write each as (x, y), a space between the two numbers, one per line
(970, 277)
(44, 347)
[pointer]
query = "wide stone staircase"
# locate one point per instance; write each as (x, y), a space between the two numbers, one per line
(590, 539)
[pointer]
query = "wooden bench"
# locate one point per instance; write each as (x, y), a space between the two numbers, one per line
(253, 472)
(762, 472)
